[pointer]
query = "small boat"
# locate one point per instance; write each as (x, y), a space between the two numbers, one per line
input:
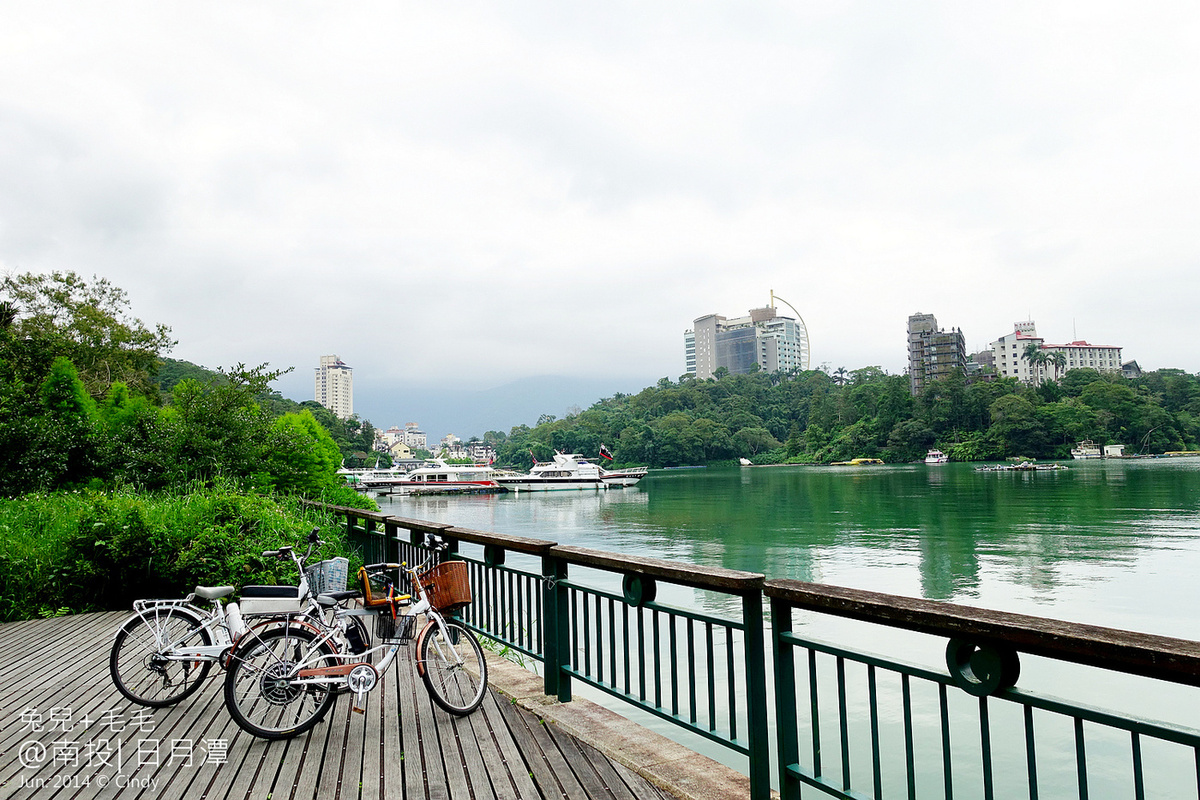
(623, 477)
(1086, 449)
(936, 457)
(1024, 466)
(745, 462)
(857, 462)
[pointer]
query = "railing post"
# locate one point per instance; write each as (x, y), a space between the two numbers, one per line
(784, 656)
(756, 696)
(556, 628)
(391, 541)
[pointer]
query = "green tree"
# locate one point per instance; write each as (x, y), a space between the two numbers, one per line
(303, 458)
(88, 323)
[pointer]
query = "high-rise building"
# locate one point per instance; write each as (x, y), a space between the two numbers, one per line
(1009, 351)
(933, 353)
(774, 342)
(334, 386)
(414, 437)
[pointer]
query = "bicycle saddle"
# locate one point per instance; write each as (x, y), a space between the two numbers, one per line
(333, 598)
(213, 592)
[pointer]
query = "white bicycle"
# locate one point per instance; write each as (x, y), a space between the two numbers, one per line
(282, 681)
(162, 654)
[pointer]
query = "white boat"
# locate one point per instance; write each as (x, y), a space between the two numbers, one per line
(379, 478)
(438, 477)
(936, 457)
(745, 462)
(570, 471)
(623, 477)
(1086, 449)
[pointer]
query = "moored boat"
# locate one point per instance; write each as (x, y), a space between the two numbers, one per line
(623, 477)
(1086, 449)
(438, 477)
(936, 456)
(570, 471)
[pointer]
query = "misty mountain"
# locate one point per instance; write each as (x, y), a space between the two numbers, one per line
(471, 413)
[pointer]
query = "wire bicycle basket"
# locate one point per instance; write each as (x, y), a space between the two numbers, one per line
(328, 576)
(394, 628)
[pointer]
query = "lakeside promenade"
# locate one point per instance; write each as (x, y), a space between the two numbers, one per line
(92, 743)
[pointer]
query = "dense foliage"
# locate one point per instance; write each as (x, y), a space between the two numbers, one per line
(813, 417)
(86, 551)
(81, 406)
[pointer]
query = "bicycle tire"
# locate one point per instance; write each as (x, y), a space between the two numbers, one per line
(261, 700)
(138, 669)
(454, 671)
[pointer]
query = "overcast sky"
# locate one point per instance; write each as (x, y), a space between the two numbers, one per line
(459, 194)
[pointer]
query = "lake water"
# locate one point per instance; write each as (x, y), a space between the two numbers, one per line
(1113, 543)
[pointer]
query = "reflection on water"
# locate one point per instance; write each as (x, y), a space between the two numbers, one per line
(1108, 543)
(1113, 543)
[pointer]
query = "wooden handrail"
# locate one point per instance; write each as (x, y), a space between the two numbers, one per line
(718, 578)
(1149, 655)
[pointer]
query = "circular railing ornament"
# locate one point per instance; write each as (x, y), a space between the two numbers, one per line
(982, 669)
(493, 555)
(638, 589)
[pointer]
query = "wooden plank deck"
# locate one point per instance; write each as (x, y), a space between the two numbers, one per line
(92, 743)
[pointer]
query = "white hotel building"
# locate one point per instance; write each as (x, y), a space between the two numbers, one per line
(1009, 352)
(334, 386)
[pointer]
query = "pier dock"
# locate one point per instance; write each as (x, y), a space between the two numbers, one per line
(66, 732)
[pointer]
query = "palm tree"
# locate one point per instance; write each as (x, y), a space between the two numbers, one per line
(1059, 359)
(1036, 358)
(8, 314)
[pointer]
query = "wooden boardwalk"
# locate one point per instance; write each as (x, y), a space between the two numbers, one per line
(93, 743)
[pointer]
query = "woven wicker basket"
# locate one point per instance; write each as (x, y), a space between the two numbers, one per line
(448, 586)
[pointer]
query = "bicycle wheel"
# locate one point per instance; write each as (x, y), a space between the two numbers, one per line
(139, 664)
(455, 671)
(259, 691)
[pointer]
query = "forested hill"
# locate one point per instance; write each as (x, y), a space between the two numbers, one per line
(813, 417)
(355, 438)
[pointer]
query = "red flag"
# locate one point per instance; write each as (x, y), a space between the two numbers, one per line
(604, 453)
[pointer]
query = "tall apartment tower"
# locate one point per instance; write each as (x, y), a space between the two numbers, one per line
(933, 353)
(763, 337)
(334, 386)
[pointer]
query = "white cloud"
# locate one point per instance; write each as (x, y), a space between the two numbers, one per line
(469, 192)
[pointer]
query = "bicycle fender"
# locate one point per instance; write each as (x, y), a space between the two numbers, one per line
(420, 640)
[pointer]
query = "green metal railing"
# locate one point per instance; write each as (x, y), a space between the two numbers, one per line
(963, 703)
(846, 723)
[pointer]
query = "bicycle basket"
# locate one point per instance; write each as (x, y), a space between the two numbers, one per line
(394, 629)
(328, 576)
(377, 591)
(448, 585)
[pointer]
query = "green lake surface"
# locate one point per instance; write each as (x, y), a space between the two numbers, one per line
(1113, 543)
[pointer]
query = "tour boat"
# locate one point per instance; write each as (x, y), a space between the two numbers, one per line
(936, 457)
(438, 477)
(570, 471)
(1086, 449)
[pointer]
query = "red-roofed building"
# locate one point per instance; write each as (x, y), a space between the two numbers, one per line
(1009, 352)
